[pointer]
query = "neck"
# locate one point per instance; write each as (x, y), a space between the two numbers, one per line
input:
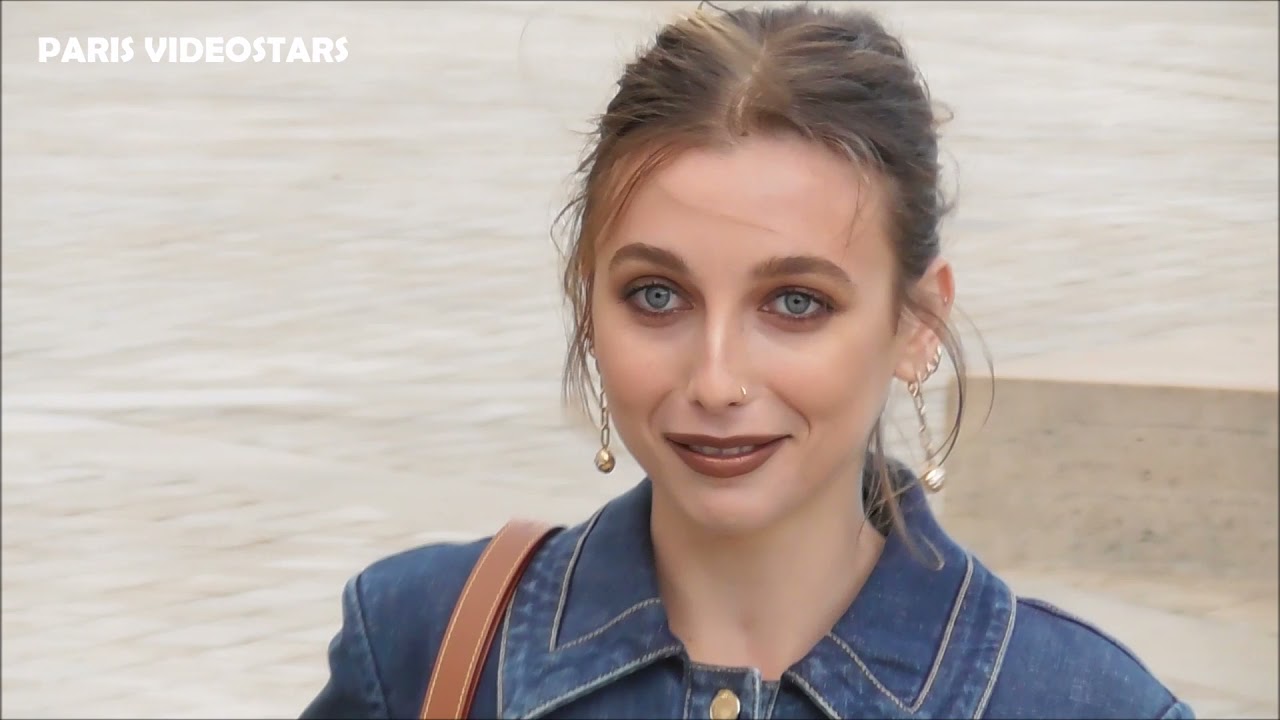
(764, 599)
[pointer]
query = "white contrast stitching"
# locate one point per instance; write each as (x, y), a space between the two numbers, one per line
(1004, 645)
(957, 603)
(946, 637)
(815, 697)
(568, 573)
(688, 690)
(453, 624)
(497, 600)
(867, 671)
(586, 687)
(622, 616)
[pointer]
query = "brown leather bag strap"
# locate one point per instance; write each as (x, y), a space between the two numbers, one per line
(484, 599)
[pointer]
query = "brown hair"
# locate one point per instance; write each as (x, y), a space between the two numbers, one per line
(834, 77)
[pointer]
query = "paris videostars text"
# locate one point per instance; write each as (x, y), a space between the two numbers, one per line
(178, 49)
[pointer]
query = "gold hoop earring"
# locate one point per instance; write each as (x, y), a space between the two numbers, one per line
(933, 477)
(934, 363)
(605, 461)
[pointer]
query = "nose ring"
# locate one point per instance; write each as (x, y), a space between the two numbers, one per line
(744, 392)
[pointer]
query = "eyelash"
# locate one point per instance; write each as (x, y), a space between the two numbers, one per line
(825, 305)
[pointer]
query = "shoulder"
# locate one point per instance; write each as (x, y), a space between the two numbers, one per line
(394, 612)
(394, 615)
(415, 588)
(1059, 664)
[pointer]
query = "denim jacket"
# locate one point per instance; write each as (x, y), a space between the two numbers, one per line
(587, 637)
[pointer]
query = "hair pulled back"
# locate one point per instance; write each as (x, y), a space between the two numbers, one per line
(835, 77)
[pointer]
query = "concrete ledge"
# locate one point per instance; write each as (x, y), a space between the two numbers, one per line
(1242, 356)
(1088, 472)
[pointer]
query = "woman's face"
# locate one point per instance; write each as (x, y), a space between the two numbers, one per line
(769, 268)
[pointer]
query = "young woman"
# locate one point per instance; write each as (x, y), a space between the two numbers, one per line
(755, 262)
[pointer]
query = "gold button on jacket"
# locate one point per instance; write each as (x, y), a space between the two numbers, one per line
(725, 706)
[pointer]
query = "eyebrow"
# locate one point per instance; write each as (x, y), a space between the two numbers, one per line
(772, 268)
(648, 253)
(802, 265)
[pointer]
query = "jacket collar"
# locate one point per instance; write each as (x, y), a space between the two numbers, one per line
(927, 619)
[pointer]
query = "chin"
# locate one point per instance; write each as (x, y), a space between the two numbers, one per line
(733, 506)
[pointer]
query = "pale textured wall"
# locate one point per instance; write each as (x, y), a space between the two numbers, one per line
(382, 223)
(350, 263)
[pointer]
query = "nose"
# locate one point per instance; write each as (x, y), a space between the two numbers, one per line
(716, 378)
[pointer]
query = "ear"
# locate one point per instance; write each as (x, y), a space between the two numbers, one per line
(917, 339)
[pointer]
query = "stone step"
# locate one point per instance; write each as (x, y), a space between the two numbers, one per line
(1154, 456)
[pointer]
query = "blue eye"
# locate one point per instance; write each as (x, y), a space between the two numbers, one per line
(657, 297)
(653, 298)
(797, 305)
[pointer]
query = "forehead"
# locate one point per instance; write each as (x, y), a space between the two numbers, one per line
(782, 194)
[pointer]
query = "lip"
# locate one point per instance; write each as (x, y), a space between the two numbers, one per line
(725, 467)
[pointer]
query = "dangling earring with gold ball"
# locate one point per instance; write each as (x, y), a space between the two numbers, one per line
(933, 477)
(604, 458)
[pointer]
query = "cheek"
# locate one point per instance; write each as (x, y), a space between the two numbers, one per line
(840, 376)
(638, 365)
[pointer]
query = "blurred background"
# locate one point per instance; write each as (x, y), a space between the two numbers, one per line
(265, 323)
